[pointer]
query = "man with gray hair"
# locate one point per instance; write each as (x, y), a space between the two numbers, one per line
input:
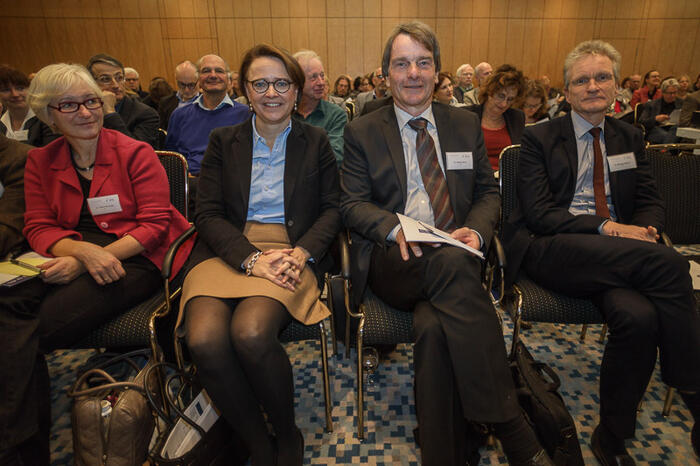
(131, 81)
(187, 91)
(660, 116)
(427, 161)
(464, 76)
(482, 72)
(125, 114)
(588, 225)
(313, 109)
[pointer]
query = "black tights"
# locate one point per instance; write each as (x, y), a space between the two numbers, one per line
(244, 367)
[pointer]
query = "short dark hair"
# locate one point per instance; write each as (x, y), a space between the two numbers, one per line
(442, 75)
(421, 33)
(503, 77)
(296, 74)
(11, 76)
(105, 59)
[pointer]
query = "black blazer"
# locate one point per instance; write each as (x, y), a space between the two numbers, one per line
(374, 181)
(311, 194)
(547, 172)
(38, 133)
(515, 121)
(166, 107)
(373, 105)
(653, 108)
(136, 120)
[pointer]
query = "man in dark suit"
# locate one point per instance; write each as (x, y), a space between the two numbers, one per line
(691, 104)
(589, 228)
(464, 76)
(656, 115)
(125, 114)
(427, 161)
(187, 91)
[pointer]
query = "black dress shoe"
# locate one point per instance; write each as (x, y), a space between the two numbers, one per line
(540, 459)
(608, 458)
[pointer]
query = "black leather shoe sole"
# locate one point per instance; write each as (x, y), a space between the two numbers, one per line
(606, 459)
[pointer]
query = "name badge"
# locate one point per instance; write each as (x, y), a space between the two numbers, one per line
(104, 205)
(459, 161)
(620, 162)
(22, 135)
(2, 189)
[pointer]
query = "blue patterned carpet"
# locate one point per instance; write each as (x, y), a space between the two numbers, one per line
(390, 415)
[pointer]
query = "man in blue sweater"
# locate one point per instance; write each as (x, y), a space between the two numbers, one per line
(190, 125)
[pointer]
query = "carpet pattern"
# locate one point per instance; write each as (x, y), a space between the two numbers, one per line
(390, 412)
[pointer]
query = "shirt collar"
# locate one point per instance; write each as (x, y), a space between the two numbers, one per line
(179, 97)
(259, 139)
(402, 117)
(226, 101)
(582, 127)
(8, 122)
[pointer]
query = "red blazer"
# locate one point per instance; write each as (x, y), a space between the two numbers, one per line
(641, 96)
(123, 166)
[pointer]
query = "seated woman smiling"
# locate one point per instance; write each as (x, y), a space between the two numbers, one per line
(98, 202)
(267, 211)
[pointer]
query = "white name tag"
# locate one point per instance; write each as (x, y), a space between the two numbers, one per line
(620, 162)
(2, 189)
(460, 161)
(104, 204)
(21, 135)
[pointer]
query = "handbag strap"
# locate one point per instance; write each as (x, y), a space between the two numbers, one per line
(110, 385)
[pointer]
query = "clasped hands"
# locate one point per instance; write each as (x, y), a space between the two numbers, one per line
(465, 235)
(282, 267)
(649, 233)
(101, 264)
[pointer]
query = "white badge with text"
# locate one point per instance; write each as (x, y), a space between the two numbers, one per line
(621, 162)
(22, 135)
(104, 204)
(460, 161)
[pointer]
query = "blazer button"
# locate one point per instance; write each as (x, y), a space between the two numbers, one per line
(290, 223)
(104, 225)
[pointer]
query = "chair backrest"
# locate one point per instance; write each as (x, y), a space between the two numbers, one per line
(508, 173)
(162, 134)
(176, 168)
(678, 182)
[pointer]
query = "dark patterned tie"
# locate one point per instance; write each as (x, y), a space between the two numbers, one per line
(433, 179)
(601, 204)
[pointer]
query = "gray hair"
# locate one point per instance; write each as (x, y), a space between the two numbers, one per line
(306, 56)
(104, 59)
(462, 68)
(419, 32)
(131, 70)
(592, 47)
(670, 82)
(53, 81)
(199, 63)
(480, 68)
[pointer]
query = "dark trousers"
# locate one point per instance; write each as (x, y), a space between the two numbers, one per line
(459, 354)
(645, 292)
(37, 318)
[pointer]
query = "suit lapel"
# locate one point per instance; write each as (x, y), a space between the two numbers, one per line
(62, 168)
(390, 128)
(242, 160)
(445, 130)
(293, 161)
(613, 146)
(569, 137)
(103, 164)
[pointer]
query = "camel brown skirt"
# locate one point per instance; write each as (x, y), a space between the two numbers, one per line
(214, 278)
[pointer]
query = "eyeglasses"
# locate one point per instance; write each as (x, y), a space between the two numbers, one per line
(107, 78)
(92, 103)
(502, 97)
(600, 78)
(190, 86)
(260, 86)
(532, 107)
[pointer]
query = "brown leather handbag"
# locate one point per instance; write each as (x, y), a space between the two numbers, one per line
(111, 418)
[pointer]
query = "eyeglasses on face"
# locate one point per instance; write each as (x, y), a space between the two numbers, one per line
(502, 97)
(260, 86)
(532, 106)
(92, 103)
(107, 78)
(190, 86)
(600, 78)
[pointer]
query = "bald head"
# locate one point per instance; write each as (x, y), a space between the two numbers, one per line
(186, 79)
(482, 71)
(213, 74)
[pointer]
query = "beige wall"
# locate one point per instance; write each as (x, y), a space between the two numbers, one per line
(535, 35)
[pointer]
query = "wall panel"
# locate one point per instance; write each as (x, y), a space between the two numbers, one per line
(155, 35)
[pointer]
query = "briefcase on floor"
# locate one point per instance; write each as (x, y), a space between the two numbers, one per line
(537, 386)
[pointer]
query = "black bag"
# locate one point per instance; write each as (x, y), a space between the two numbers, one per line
(544, 407)
(219, 446)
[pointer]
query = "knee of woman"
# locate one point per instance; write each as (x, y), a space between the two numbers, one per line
(252, 340)
(205, 344)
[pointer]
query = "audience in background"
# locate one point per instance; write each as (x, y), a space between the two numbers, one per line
(464, 76)
(19, 122)
(444, 90)
(482, 71)
(660, 117)
(313, 109)
(342, 86)
(13, 155)
(534, 103)
(650, 90)
(501, 124)
(125, 114)
(187, 90)
(379, 90)
(683, 87)
(158, 89)
(132, 82)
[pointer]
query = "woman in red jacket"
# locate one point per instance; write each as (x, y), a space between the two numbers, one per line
(98, 203)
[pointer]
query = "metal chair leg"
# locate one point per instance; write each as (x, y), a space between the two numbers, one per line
(603, 334)
(326, 378)
(330, 299)
(668, 402)
(584, 329)
(360, 381)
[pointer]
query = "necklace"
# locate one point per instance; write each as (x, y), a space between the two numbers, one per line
(82, 169)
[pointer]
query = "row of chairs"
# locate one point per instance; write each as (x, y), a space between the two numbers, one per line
(377, 323)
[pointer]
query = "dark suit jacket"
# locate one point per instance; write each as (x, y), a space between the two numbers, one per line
(515, 121)
(311, 194)
(135, 119)
(651, 109)
(691, 103)
(38, 133)
(166, 107)
(374, 181)
(13, 156)
(547, 172)
(373, 105)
